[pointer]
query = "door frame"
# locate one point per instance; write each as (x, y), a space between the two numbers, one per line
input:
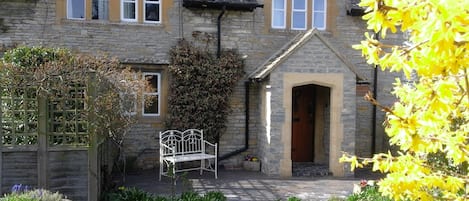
(335, 82)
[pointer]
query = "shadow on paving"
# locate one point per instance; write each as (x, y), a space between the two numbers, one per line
(244, 185)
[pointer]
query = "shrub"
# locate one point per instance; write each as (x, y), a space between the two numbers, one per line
(135, 194)
(367, 191)
(34, 195)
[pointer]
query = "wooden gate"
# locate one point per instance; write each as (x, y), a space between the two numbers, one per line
(49, 144)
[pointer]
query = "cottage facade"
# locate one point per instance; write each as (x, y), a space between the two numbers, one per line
(300, 101)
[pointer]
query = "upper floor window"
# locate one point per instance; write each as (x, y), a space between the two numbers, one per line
(298, 15)
(76, 9)
(100, 9)
(129, 10)
(139, 11)
(278, 13)
(152, 11)
(319, 14)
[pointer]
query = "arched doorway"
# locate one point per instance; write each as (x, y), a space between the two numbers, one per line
(310, 130)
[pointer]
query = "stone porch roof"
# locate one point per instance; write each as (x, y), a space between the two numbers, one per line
(297, 42)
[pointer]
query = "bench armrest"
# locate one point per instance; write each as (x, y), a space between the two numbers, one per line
(206, 142)
(168, 147)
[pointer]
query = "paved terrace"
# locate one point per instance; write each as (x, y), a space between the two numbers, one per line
(244, 185)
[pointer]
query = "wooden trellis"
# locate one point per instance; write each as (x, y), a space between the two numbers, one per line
(49, 142)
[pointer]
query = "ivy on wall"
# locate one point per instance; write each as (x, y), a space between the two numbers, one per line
(200, 88)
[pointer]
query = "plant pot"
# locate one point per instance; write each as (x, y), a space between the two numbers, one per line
(252, 166)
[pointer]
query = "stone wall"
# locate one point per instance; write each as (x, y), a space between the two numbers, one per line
(35, 23)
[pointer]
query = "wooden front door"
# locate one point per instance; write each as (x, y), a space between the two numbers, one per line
(303, 103)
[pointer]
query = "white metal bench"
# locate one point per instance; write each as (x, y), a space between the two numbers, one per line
(177, 147)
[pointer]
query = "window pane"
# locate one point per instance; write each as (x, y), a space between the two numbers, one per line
(279, 4)
(152, 12)
(319, 5)
(129, 10)
(278, 19)
(100, 9)
(151, 108)
(299, 4)
(153, 81)
(299, 20)
(319, 20)
(76, 9)
(151, 98)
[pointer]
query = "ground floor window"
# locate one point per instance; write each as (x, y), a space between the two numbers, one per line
(152, 108)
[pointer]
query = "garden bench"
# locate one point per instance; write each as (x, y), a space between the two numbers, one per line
(184, 146)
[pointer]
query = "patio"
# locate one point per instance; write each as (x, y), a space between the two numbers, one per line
(245, 185)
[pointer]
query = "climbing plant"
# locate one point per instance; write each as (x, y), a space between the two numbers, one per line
(200, 88)
(58, 74)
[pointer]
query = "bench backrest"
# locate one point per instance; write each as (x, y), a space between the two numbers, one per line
(188, 142)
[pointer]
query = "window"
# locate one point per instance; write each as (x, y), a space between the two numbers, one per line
(319, 14)
(129, 10)
(278, 14)
(100, 10)
(152, 11)
(76, 9)
(298, 20)
(134, 11)
(152, 109)
(298, 15)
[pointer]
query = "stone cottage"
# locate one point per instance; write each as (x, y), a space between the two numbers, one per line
(300, 101)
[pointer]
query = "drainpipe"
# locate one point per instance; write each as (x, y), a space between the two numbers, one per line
(219, 31)
(246, 126)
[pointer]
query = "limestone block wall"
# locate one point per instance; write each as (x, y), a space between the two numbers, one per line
(36, 23)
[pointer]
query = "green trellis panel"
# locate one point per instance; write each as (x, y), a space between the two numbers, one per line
(38, 134)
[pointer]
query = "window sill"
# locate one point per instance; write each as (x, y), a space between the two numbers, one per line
(150, 119)
(107, 22)
(291, 31)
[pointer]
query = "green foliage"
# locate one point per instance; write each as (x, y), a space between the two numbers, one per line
(134, 194)
(214, 196)
(368, 193)
(293, 199)
(131, 194)
(82, 94)
(29, 72)
(32, 57)
(34, 195)
(201, 86)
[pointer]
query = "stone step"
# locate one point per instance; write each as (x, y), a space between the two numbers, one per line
(310, 170)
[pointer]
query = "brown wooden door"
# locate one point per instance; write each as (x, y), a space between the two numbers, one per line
(302, 123)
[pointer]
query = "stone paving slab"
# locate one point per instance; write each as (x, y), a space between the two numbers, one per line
(243, 185)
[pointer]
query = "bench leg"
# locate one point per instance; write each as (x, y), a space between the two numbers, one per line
(161, 169)
(216, 168)
(202, 166)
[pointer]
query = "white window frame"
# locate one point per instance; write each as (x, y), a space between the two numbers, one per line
(145, 2)
(324, 11)
(69, 10)
(157, 93)
(284, 15)
(305, 11)
(122, 10)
